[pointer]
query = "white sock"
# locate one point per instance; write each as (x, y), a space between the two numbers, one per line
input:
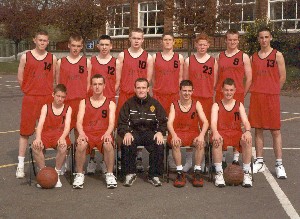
(236, 156)
(179, 168)
(260, 159)
(246, 167)
(278, 162)
(218, 167)
(197, 167)
(21, 161)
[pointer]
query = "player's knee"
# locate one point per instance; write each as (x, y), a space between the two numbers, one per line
(107, 147)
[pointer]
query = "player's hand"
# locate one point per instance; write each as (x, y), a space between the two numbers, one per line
(62, 142)
(217, 139)
(38, 145)
(106, 138)
(247, 137)
(199, 141)
(175, 141)
(81, 138)
(128, 139)
(159, 138)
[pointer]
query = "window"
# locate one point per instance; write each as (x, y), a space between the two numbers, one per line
(285, 14)
(151, 17)
(236, 13)
(119, 20)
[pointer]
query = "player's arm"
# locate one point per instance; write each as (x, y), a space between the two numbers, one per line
(181, 60)
(281, 67)
(248, 73)
(247, 133)
(149, 68)
(80, 116)
(112, 114)
(216, 137)
(176, 141)
(202, 117)
(37, 143)
(62, 139)
(89, 70)
(118, 74)
(216, 69)
(57, 71)
(21, 69)
(54, 69)
(153, 73)
(186, 65)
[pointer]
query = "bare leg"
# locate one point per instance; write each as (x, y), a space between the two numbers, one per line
(109, 156)
(23, 142)
(176, 155)
(247, 152)
(80, 155)
(217, 153)
(277, 143)
(199, 152)
(259, 142)
(60, 156)
(39, 158)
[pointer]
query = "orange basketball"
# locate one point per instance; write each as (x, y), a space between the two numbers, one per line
(47, 177)
(233, 175)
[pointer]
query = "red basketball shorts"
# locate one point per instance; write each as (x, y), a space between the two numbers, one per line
(31, 111)
(74, 104)
(50, 140)
(165, 100)
(187, 138)
(264, 111)
(231, 139)
(237, 96)
(94, 140)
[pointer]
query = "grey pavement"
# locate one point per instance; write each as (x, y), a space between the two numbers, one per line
(142, 200)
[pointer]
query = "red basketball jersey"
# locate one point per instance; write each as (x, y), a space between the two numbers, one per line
(229, 122)
(265, 74)
(133, 68)
(74, 77)
(166, 74)
(186, 121)
(231, 67)
(54, 124)
(95, 119)
(108, 71)
(202, 75)
(38, 75)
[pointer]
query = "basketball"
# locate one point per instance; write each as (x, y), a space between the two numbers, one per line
(233, 175)
(47, 177)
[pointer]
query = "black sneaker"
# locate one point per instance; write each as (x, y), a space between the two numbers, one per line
(236, 162)
(155, 181)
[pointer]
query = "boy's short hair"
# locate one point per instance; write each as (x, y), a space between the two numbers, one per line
(202, 36)
(232, 31)
(228, 81)
(264, 29)
(41, 32)
(136, 30)
(60, 87)
(141, 80)
(186, 83)
(104, 37)
(76, 37)
(167, 34)
(98, 76)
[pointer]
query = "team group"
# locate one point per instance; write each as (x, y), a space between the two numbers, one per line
(198, 91)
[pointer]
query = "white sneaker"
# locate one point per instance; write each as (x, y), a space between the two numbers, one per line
(111, 182)
(78, 181)
(280, 172)
(130, 178)
(187, 166)
(58, 183)
(247, 181)
(91, 167)
(259, 167)
(172, 165)
(155, 181)
(103, 167)
(20, 173)
(219, 179)
(139, 164)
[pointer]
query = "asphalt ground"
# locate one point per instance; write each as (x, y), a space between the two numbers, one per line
(268, 198)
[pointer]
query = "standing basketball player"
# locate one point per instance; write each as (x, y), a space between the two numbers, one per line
(74, 72)
(109, 67)
(95, 124)
(235, 64)
(269, 75)
(36, 77)
(167, 74)
(226, 118)
(53, 130)
(200, 68)
(135, 63)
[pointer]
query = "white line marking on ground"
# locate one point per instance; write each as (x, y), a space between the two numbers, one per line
(270, 148)
(11, 81)
(283, 120)
(283, 199)
(7, 85)
(9, 131)
(15, 164)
